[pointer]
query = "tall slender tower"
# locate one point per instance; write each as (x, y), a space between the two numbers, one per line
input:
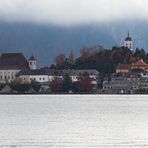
(32, 63)
(128, 43)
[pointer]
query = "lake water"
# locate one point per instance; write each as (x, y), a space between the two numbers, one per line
(73, 121)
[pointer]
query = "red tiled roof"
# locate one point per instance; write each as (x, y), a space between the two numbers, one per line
(13, 61)
(140, 63)
(123, 66)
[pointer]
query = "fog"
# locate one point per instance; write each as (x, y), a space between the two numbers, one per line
(72, 12)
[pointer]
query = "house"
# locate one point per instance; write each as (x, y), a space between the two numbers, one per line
(75, 74)
(139, 66)
(123, 68)
(144, 83)
(107, 88)
(10, 65)
(47, 75)
(6, 90)
(33, 75)
(144, 75)
(121, 83)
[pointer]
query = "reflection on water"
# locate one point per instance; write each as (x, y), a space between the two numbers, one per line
(73, 121)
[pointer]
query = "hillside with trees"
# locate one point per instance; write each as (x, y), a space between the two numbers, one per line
(103, 60)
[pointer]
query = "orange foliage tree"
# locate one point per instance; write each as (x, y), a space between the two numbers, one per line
(85, 83)
(85, 54)
(18, 80)
(60, 60)
(71, 57)
(56, 84)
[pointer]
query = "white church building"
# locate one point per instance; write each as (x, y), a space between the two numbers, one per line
(128, 42)
(12, 63)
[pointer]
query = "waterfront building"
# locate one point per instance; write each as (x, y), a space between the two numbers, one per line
(121, 83)
(10, 65)
(13, 63)
(47, 75)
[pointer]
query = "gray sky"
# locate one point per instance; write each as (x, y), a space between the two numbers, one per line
(73, 12)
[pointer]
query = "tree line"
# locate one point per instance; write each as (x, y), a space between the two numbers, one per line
(103, 60)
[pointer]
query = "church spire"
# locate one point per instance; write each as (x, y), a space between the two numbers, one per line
(128, 41)
(128, 34)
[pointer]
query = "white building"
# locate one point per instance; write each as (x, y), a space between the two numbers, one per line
(75, 74)
(47, 75)
(32, 63)
(39, 75)
(144, 75)
(128, 43)
(10, 65)
(33, 75)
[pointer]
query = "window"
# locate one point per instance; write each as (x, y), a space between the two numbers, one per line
(43, 78)
(40, 78)
(34, 79)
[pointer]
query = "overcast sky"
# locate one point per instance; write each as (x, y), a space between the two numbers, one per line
(73, 12)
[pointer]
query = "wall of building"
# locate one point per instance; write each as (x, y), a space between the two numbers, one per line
(37, 78)
(8, 75)
(128, 44)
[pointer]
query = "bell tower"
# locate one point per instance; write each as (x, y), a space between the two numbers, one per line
(128, 43)
(32, 63)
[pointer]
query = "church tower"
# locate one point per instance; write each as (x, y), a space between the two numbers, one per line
(32, 63)
(128, 43)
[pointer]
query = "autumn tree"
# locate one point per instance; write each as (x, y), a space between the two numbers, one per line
(56, 85)
(85, 54)
(71, 57)
(85, 83)
(18, 80)
(60, 60)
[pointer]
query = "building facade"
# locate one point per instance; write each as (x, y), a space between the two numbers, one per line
(32, 63)
(42, 75)
(128, 43)
(10, 65)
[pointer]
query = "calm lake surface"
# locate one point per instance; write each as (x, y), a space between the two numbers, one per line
(73, 121)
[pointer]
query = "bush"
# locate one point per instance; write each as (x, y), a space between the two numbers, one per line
(20, 88)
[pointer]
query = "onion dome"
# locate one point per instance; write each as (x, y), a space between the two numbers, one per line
(128, 38)
(32, 58)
